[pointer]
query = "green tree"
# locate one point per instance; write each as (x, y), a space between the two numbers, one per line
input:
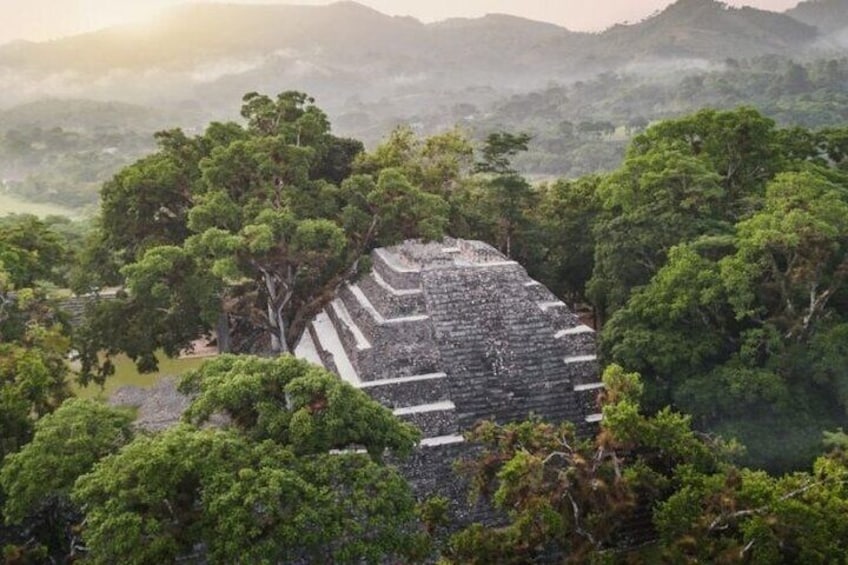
(506, 196)
(791, 258)
(30, 251)
(293, 403)
(37, 480)
(743, 331)
(146, 204)
(263, 238)
(34, 347)
(739, 145)
(266, 488)
(566, 216)
(655, 201)
(743, 516)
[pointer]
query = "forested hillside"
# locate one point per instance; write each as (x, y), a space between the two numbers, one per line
(575, 129)
(580, 96)
(828, 16)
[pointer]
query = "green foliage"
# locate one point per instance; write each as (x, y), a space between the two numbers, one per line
(655, 201)
(161, 497)
(172, 302)
(405, 210)
(33, 368)
(293, 403)
(498, 151)
(565, 215)
(66, 444)
(146, 203)
(748, 516)
(739, 323)
(791, 255)
(668, 330)
(497, 206)
(570, 496)
(247, 225)
(31, 251)
(266, 488)
(34, 382)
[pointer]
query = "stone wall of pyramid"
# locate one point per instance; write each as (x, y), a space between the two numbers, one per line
(446, 334)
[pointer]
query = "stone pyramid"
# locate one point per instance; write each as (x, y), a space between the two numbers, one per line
(449, 333)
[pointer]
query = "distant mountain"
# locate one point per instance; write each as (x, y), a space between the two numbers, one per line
(347, 32)
(200, 58)
(350, 33)
(827, 15)
(707, 29)
(200, 33)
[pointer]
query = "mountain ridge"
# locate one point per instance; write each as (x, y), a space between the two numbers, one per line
(194, 32)
(828, 16)
(208, 54)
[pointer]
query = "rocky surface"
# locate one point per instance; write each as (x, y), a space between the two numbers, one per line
(158, 407)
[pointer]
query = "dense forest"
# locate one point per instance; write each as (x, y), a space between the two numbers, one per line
(61, 151)
(713, 259)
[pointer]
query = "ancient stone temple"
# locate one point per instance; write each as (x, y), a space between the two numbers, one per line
(450, 333)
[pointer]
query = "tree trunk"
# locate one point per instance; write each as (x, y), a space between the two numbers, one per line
(222, 331)
(279, 345)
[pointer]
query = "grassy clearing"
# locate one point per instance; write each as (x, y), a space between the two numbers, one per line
(10, 204)
(126, 374)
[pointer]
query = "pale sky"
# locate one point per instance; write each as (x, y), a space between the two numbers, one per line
(47, 19)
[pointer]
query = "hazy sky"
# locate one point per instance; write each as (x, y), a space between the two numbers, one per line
(45, 19)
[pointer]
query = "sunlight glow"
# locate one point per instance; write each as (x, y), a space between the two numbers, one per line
(40, 20)
(97, 14)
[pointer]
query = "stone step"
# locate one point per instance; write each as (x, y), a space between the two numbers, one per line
(443, 406)
(342, 316)
(588, 387)
(306, 349)
(576, 330)
(538, 292)
(582, 369)
(442, 440)
(392, 290)
(434, 420)
(375, 326)
(389, 301)
(377, 316)
(392, 272)
(402, 346)
(577, 340)
(329, 341)
(586, 397)
(558, 313)
(405, 391)
(580, 359)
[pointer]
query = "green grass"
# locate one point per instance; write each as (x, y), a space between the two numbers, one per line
(127, 375)
(10, 204)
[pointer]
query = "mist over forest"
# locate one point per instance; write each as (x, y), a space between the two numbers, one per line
(314, 284)
(579, 95)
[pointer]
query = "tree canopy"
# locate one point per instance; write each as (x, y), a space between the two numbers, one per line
(279, 478)
(248, 230)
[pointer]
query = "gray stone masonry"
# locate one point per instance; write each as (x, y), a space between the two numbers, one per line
(75, 306)
(450, 333)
